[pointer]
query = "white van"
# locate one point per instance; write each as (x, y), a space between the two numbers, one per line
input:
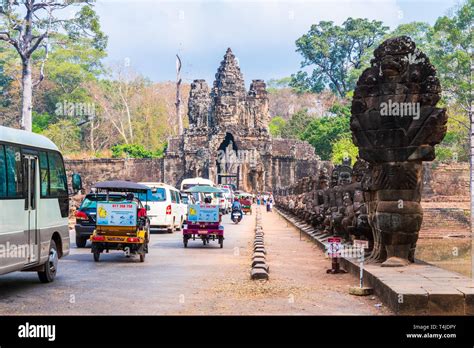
(166, 209)
(186, 184)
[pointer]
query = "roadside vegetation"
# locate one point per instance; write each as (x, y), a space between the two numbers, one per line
(93, 110)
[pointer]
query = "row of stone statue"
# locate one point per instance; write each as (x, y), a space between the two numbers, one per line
(333, 201)
(395, 124)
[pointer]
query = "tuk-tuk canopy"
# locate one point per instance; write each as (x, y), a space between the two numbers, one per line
(204, 189)
(121, 186)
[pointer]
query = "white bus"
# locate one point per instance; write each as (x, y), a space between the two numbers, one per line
(186, 184)
(34, 204)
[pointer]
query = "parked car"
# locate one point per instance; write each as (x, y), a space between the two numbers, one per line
(86, 216)
(165, 209)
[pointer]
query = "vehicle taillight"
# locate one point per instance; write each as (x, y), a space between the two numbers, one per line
(80, 215)
(168, 210)
(133, 240)
(98, 238)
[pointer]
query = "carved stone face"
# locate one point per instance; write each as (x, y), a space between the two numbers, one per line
(344, 178)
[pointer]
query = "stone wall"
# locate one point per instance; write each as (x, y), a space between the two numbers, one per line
(102, 169)
(445, 180)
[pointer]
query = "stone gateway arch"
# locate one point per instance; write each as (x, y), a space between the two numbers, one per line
(228, 140)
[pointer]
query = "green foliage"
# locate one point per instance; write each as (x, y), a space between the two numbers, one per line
(323, 132)
(417, 31)
(296, 125)
(41, 122)
(301, 82)
(135, 151)
(274, 84)
(444, 154)
(276, 125)
(344, 148)
(86, 23)
(451, 52)
(332, 51)
(65, 134)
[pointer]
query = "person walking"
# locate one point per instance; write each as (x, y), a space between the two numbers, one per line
(269, 204)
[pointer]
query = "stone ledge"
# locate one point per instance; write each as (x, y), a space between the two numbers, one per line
(419, 289)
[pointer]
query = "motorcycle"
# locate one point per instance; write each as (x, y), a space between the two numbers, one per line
(236, 216)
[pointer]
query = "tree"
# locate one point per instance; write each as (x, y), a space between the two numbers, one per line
(344, 148)
(417, 31)
(276, 125)
(333, 51)
(65, 134)
(296, 125)
(452, 41)
(323, 132)
(275, 84)
(28, 25)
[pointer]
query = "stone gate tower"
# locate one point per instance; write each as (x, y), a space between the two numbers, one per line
(228, 139)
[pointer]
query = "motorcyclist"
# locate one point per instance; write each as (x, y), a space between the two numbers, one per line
(237, 207)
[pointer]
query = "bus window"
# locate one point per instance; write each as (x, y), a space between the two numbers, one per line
(14, 172)
(3, 173)
(44, 174)
(57, 175)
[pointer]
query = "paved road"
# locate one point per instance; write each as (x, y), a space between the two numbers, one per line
(163, 284)
(196, 280)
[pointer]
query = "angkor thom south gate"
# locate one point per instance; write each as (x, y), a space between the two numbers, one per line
(228, 140)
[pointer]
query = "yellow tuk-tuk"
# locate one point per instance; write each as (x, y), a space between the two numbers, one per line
(122, 225)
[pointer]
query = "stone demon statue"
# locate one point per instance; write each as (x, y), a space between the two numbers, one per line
(395, 124)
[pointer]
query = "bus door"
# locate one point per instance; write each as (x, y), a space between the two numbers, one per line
(30, 165)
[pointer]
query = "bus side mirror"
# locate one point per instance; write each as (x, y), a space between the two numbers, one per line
(76, 182)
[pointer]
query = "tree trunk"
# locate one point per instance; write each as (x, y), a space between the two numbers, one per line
(471, 158)
(26, 96)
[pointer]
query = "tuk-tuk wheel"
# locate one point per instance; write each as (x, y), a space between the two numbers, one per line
(96, 256)
(185, 242)
(142, 257)
(221, 241)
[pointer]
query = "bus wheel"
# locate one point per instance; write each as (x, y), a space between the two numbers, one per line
(50, 268)
(96, 256)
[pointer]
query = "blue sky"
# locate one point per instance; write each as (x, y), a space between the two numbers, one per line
(146, 34)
